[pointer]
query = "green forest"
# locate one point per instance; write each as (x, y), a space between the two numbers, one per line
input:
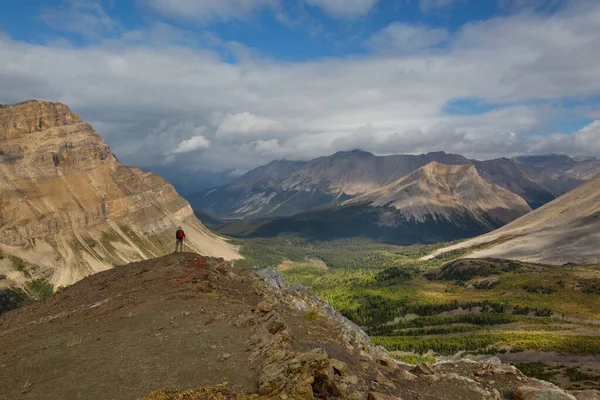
(417, 310)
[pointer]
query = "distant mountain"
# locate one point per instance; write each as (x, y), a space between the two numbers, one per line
(285, 188)
(437, 202)
(68, 208)
(565, 230)
(558, 173)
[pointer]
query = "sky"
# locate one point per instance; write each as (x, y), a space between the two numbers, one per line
(207, 89)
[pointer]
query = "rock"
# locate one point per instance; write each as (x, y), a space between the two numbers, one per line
(273, 278)
(423, 369)
(381, 396)
(265, 307)
(487, 283)
(496, 394)
(383, 380)
(351, 379)
(536, 393)
(339, 367)
(401, 374)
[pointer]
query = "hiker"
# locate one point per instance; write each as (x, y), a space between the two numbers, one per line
(179, 236)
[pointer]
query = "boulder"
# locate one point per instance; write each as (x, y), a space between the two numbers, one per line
(273, 278)
(423, 369)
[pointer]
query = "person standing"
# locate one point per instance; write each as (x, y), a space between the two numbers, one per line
(179, 237)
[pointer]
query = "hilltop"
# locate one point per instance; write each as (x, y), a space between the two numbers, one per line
(184, 321)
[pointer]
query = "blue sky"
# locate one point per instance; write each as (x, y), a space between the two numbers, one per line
(204, 86)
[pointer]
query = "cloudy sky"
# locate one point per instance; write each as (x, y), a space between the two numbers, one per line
(194, 87)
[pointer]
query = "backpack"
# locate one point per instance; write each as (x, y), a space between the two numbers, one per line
(180, 235)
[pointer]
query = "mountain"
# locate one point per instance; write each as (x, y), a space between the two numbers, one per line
(284, 188)
(567, 230)
(437, 202)
(442, 191)
(558, 173)
(188, 327)
(68, 208)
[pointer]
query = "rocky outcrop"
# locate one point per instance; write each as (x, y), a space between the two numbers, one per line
(68, 208)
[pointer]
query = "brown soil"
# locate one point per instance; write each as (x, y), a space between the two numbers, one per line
(125, 332)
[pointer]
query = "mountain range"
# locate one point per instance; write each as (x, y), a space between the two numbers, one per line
(284, 188)
(437, 202)
(400, 199)
(68, 208)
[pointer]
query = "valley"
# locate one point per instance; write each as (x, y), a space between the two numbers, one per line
(522, 312)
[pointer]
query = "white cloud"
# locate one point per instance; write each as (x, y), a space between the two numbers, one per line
(209, 10)
(192, 144)
(583, 142)
(344, 8)
(407, 38)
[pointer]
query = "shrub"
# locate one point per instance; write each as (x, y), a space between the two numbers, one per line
(39, 289)
(11, 299)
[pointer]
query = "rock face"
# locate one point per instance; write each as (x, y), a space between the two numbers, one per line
(68, 208)
(565, 230)
(284, 188)
(185, 321)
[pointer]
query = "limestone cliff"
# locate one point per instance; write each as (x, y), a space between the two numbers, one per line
(68, 208)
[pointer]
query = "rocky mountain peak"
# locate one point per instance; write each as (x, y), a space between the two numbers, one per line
(68, 208)
(443, 191)
(34, 116)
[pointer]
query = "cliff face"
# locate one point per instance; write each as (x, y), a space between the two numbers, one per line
(68, 208)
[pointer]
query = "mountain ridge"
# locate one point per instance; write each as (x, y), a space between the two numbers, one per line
(437, 202)
(185, 321)
(306, 185)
